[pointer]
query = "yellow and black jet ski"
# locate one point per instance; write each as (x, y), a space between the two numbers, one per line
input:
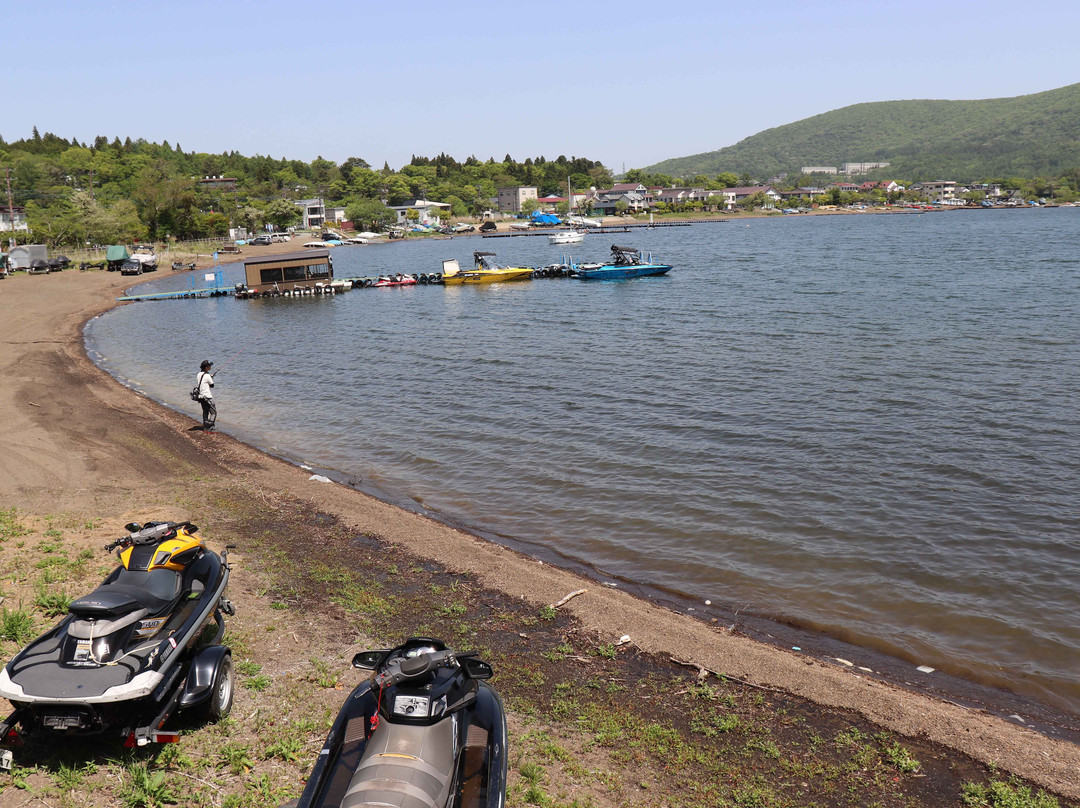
(144, 645)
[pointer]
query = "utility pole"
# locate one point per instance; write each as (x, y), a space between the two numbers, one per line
(11, 206)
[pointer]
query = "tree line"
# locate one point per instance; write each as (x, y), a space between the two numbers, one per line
(121, 192)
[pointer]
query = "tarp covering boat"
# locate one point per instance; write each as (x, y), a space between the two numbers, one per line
(117, 252)
(545, 218)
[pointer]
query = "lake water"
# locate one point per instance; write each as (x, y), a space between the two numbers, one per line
(862, 425)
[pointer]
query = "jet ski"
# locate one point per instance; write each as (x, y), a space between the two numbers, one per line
(424, 730)
(142, 646)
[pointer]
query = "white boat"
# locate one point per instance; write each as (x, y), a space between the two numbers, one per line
(567, 237)
(580, 221)
(317, 244)
(520, 225)
(145, 255)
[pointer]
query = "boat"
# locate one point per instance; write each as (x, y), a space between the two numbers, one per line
(145, 255)
(486, 271)
(581, 221)
(318, 245)
(567, 237)
(520, 225)
(625, 262)
(395, 280)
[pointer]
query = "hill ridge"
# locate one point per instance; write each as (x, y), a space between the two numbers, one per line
(1024, 135)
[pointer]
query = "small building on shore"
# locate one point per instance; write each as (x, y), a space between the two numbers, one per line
(280, 273)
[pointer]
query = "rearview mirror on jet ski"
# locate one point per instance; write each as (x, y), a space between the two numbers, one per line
(368, 660)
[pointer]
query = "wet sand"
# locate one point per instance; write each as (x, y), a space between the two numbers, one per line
(75, 440)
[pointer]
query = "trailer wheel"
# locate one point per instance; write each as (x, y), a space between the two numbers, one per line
(221, 699)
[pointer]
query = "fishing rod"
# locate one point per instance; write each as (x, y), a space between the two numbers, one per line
(243, 348)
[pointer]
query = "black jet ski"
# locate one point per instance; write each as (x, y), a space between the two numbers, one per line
(424, 730)
(143, 645)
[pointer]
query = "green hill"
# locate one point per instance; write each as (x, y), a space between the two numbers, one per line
(1026, 136)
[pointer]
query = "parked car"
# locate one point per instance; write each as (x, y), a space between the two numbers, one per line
(131, 266)
(262, 240)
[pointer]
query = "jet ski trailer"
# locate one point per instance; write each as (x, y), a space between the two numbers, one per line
(142, 646)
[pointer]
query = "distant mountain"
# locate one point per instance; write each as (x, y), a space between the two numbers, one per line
(1025, 136)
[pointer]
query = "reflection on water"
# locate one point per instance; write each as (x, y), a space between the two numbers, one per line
(862, 424)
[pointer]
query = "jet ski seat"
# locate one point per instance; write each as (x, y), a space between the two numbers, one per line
(126, 591)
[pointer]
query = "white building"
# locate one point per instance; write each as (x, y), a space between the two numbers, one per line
(6, 219)
(732, 196)
(861, 168)
(818, 169)
(313, 213)
(939, 191)
(430, 212)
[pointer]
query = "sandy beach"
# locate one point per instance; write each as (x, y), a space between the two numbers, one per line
(77, 442)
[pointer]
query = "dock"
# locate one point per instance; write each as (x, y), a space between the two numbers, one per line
(622, 228)
(212, 291)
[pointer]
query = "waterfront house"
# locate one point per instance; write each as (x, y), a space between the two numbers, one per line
(279, 273)
(732, 196)
(313, 213)
(801, 193)
(549, 202)
(511, 198)
(430, 212)
(937, 191)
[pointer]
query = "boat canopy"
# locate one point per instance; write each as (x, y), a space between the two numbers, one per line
(545, 218)
(117, 252)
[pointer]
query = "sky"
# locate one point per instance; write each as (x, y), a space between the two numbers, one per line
(627, 83)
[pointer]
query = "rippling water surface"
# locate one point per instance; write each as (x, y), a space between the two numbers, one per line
(865, 425)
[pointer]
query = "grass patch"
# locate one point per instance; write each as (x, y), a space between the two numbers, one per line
(51, 604)
(142, 788)
(1001, 794)
(10, 526)
(16, 625)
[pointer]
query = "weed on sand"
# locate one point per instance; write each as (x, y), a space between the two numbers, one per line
(592, 723)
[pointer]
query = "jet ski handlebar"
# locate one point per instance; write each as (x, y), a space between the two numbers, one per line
(404, 669)
(150, 533)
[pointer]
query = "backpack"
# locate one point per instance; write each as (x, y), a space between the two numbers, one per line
(195, 390)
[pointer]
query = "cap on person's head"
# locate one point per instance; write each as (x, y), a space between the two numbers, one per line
(206, 363)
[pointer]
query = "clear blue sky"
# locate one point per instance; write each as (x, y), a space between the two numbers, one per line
(628, 83)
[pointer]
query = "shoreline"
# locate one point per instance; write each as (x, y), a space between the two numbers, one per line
(64, 454)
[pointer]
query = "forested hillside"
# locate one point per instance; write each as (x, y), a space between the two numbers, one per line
(113, 191)
(1025, 136)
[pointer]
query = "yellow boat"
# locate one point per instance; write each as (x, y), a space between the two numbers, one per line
(485, 271)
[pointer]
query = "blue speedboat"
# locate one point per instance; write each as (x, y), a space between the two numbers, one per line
(625, 262)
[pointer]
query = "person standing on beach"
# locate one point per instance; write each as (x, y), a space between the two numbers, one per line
(205, 385)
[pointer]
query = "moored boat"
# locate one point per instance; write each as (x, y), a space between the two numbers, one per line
(567, 237)
(486, 271)
(625, 262)
(395, 280)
